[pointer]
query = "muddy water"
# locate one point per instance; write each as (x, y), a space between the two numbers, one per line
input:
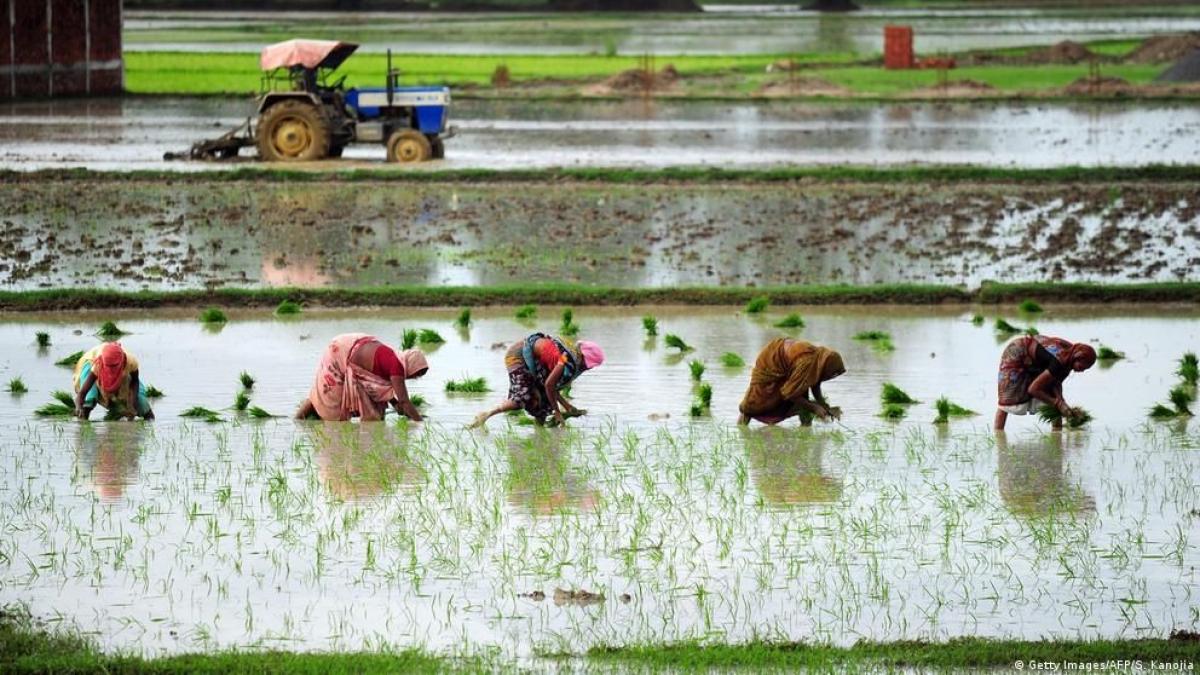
(171, 234)
(179, 536)
(721, 30)
(134, 134)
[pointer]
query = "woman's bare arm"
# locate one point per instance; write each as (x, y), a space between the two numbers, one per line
(403, 404)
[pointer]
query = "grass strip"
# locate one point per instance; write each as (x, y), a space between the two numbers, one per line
(568, 294)
(958, 653)
(1153, 173)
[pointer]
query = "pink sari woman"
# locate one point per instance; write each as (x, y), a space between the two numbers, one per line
(359, 376)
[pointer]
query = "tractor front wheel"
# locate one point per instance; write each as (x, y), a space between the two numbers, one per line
(293, 131)
(408, 146)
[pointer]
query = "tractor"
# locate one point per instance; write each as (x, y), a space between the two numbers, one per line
(305, 115)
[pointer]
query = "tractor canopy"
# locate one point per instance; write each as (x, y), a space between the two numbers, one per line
(311, 54)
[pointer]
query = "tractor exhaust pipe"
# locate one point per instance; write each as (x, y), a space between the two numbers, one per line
(391, 78)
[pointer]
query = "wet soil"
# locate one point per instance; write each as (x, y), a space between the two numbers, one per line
(208, 234)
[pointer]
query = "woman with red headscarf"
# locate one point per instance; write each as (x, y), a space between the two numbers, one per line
(1032, 368)
(359, 376)
(108, 375)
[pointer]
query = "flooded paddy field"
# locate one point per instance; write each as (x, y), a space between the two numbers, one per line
(192, 233)
(728, 29)
(134, 133)
(182, 536)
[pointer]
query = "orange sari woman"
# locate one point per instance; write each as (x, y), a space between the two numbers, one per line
(784, 375)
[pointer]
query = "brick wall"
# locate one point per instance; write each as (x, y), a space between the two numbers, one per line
(60, 48)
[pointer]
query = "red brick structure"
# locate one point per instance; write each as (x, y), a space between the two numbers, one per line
(60, 48)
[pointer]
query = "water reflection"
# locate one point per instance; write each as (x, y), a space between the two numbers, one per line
(541, 479)
(358, 462)
(1034, 481)
(787, 466)
(107, 457)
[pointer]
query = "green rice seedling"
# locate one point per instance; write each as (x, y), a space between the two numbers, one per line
(893, 411)
(241, 401)
(247, 380)
(696, 410)
(69, 361)
(17, 387)
(109, 331)
(731, 360)
(569, 328)
(198, 411)
(1029, 307)
(977, 320)
(758, 305)
(429, 337)
(288, 308)
(477, 385)
(1032, 330)
(1050, 415)
(54, 410)
(1106, 353)
(418, 400)
(675, 342)
(43, 339)
(1181, 397)
(1006, 328)
(1189, 368)
(63, 397)
(895, 395)
(706, 394)
(697, 368)
(650, 325)
(881, 341)
(791, 321)
(464, 318)
(258, 413)
(1162, 412)
(213, 315)
(114, 412)
(946, 409)
(409, 339)
(153, 392)
(526, 312)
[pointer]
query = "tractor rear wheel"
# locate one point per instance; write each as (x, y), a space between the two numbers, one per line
(439, 148)
(408, 146)
(293, 131)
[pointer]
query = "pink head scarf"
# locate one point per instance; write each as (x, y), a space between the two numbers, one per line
(593, 355)
(414, 362)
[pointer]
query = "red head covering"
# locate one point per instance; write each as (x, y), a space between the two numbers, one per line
(110, 367)
(1082, 352)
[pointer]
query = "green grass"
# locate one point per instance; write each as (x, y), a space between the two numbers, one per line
(476, 385)
(731, 360)
(1162, 412)
(705, 395)
(258, 413)
(1189, 368)
(1050, 415)
(1005, 328)
(1029, 306)
(977, 320)
(70, 360)
(893, 395)
(43, 339)
(790, 321)
(650, 325)
(697, 369)
(757, 305)
(199, 412)
(568, 327)
(947, 409)
(54, 410)
(526, 312)
(464, 319)
(246, 380)
(444, 296)
(288, 307)
(110, 331)
(213, 315)
(28, 646)
(961, 653)
(675, 342)
(17, 386)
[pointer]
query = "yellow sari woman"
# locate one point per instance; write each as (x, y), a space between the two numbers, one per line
(784, 374)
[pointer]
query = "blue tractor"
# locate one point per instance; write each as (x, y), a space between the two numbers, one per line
(305, 115)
